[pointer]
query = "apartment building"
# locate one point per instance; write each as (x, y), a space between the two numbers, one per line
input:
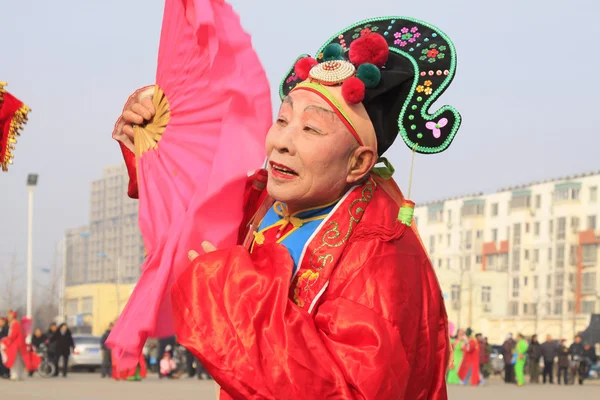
(543, 236)
(110, 248)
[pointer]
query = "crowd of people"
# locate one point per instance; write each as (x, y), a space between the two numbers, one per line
(471, 361)
(19, 358)
(169, 359)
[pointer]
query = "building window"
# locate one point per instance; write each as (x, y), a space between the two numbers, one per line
(516, 260)
(87, 305)
(491, 261)
(535, 282)
(591, 222)
(570, 306)
(574, 224)
(513, 308)
(533, 308)
(593, 194)
(589, 254)
(549, 282)
(517, 234)
(562, 228)
(536, 229)
(558, 306)
(573, 255)
(525, 309)
(536, 255)
(431, 244)
(449, 238)
(515, 287)
(494, 235)
(486, 294)
(479, 234)
(478, 259)
(550, 254)
(449, 216)
(560, 256)
(468, 239)
(538, 201)
(440, 263)
(525, 281)
(503, 262)
(72, 307)
(494, 209)
(589, 281)
(435, 214)
(468, 263)
(471, 209)
(588, 307)
(551, 228)
(520, 201)
(455, 293)
(526, 254)
(559, 283)
(566, 193)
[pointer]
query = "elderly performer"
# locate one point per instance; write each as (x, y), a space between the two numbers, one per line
(330, 293)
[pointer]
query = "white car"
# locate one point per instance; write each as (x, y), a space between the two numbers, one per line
(87, 353)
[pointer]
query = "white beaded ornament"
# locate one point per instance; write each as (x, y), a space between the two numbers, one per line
(332, 72)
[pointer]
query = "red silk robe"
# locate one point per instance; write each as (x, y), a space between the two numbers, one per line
(363, 317)
(15, 344)
(469, 368)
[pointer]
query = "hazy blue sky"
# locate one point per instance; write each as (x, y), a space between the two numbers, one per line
(526, 86)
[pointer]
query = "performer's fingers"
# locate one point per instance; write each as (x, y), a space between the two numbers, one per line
(147, 103)
(208, 247)
(128, 130)
(192, 255)
(139, 109)
(131, 117)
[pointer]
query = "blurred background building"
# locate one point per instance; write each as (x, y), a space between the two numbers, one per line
(523, 259)
(107, 253)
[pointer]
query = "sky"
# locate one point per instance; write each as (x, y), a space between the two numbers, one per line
(525, 87)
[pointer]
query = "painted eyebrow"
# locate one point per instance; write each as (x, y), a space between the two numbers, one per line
(321, 109)
(288, 100)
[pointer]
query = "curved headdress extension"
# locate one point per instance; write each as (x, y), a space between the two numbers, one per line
(420, 67)
(13, 115)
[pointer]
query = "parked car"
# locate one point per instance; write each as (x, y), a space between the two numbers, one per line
(87, 353)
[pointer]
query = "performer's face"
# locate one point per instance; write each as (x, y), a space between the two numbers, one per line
(317, 152)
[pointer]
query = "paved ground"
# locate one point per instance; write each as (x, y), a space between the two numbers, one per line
(91, 387)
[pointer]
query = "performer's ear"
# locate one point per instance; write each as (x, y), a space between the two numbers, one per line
(362, 161)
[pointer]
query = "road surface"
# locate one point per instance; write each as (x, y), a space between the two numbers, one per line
(92, 387)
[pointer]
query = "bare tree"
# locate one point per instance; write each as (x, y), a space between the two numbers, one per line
(12, 288)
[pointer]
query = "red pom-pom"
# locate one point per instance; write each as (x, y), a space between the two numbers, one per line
(303, 67)
(371, 48)
(353, 90)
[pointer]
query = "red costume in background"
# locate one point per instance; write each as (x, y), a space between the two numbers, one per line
(15, 344)
(469, 369)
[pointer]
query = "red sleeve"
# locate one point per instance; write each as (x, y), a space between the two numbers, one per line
(129, 157)
(233, 312)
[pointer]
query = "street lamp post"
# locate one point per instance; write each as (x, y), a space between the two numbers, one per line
(31, 184)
